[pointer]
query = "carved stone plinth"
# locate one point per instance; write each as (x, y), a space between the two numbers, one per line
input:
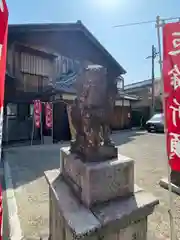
(95, 182)
(86, 201)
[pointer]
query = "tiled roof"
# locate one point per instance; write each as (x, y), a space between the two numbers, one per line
(139, 84)
(58, 27)
(65, 82)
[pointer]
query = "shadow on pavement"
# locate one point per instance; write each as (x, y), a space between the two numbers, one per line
(123, 137)
(28, 163)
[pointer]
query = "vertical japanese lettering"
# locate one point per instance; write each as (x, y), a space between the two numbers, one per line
(175, 145)
(175, 111)
(171, 78)
(176, 44)
(175, 76)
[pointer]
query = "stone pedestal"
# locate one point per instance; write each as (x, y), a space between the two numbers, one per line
(98, 182)
(97, 200)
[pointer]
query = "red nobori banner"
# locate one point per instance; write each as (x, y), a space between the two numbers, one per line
(3, 51)
(37, 113)
(3, 46)
(49, 115)
(171, 77)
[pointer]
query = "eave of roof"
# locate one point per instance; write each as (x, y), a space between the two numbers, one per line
(128, 97)
(140, 84)
(78, 26)
(131, 98)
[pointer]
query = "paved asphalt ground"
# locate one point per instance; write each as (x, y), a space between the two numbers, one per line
(27, 165)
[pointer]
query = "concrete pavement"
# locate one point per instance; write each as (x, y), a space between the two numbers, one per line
(27, 165)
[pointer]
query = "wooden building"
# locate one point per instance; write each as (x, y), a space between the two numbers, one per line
(41, 55)
(143, 90)
(122, 118)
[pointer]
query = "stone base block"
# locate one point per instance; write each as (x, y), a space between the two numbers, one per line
(97, 182)
(137, 230)
(165, 184)
(123, 218)
(104, 152)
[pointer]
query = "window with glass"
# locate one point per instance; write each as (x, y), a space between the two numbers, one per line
(11, 109)
(158, 117)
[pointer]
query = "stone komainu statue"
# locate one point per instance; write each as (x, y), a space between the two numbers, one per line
(91, 114)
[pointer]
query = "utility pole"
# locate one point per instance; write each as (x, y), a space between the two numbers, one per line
(153, 56)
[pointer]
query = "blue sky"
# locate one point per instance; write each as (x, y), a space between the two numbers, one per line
(129, 45)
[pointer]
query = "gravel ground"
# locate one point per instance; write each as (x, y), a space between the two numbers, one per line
(28, 164)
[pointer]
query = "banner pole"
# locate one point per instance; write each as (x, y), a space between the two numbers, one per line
(32, 133)
(7, 127)
(41, 125)
(52, 128)
(170, 210)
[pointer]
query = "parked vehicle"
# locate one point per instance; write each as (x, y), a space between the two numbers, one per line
(156, 123)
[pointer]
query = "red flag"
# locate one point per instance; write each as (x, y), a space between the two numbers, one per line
(3, 46)
(37, 113)
(49, 115)
(3, 50)
(171, 77)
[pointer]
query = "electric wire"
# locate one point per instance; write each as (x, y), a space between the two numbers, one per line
(145, 22)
